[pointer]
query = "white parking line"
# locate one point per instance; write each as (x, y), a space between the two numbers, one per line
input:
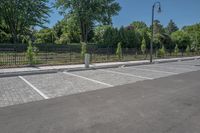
(33, 87)
(192, 65)
(99, 82)
(170, 67)
(151, 70)
(127, 74)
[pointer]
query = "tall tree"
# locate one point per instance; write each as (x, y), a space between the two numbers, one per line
(111, 36)
(122, 36)
(158, 27)
(139, 25)
(67, 30)
(142, 31)
(130, 38)
(46, 35)
(158, 32)
(171, 27)
(21, 15)
(5, 36)
(194, 33)
(89, 12)
(181, 38)
(99, 33)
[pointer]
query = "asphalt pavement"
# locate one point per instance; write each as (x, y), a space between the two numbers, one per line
(164, 105)
(21, 89)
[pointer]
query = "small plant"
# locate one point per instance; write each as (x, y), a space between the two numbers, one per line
(31, 54)
(176, 50)
(188, 50)
(119, 51)
(161, 52)
(83, 49)
(143, 46)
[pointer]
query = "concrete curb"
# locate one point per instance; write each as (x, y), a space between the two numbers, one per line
(92, 67)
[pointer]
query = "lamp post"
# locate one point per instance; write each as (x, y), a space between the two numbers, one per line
(158, 5)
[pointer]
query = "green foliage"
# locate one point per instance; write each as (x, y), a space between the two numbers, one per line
(99, 33)
(159, 34)
(188, 50)
(21, 15)
(139, 25)
(83, 49)
(161, 52)
(31, 54)
(64, 39)
(5, 35)
(111, 36)
(176, 50)
(130, 38)
(171, 27)
(87, 12)
(44, 36)
(122, 35)
(141, 32)
(119, 51)
(71, 28)
(158, 27)
(143, 46)
(194, 33)
(181, 38)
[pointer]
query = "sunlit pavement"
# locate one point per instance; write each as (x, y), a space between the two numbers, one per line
(29, 88)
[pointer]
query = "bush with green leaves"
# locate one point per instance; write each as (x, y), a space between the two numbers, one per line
(83, 49)
(161, 52)
(188, 50)
(31, 53)
(176, 50)
(119, 51)
(143, 46)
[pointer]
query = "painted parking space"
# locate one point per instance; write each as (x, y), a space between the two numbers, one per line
(23, 89)
(143, 72)
(14, 91)
(184, 65)
(189, 63)
(166, 68)
(59, 84)
(110, 77)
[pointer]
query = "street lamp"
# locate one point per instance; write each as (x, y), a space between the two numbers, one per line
(158, 6)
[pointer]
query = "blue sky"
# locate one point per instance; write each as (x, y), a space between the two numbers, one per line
(183, 12)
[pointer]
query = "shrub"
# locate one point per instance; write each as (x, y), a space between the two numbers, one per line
(143, 46)
(161, 52)
(83, 49)
(31, 53)
(176, 50)
(188, 50)
(119, 51)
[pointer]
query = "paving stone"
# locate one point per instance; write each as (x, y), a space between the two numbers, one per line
(14, 91)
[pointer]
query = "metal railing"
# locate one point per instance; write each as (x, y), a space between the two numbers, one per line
(15, 55)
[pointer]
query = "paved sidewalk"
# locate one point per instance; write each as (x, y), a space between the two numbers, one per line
(52, 69)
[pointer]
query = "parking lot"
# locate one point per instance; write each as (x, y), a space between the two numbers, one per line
(23, 89)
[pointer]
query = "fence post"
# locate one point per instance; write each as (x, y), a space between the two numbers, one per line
(70, 55)
(46, 55)
(107, 53)
(15, 49)
(182, 51)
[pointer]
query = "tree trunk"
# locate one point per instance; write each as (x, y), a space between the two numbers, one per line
(84, 31)
(14, 36)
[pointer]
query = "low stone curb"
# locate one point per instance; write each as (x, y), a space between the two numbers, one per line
(97, 66)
